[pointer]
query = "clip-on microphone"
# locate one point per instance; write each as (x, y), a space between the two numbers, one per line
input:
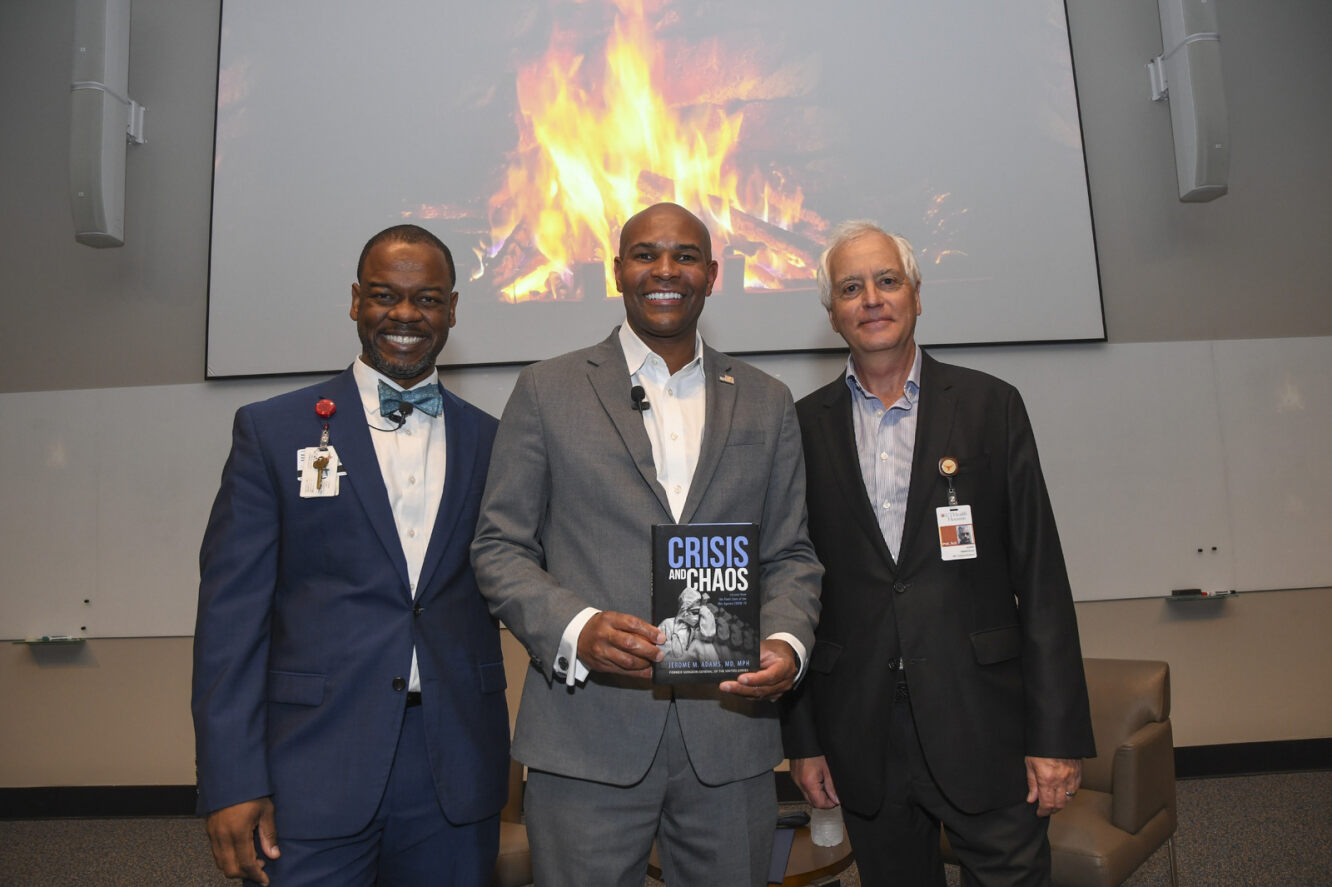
(399, 416)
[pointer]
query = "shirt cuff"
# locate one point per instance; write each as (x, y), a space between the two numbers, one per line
(568, 651)
(799, 651)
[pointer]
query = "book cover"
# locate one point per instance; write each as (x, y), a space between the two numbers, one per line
(705, 597)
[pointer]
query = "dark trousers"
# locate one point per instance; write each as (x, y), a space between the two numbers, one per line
(408, 843)
(899, 845)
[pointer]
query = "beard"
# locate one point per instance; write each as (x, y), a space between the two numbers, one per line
(398, 369)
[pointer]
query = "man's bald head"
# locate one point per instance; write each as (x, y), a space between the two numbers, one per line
(701, 238)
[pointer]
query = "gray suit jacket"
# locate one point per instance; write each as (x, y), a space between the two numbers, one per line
(565, 524)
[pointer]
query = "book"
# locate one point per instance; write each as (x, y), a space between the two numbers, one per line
(705, 597)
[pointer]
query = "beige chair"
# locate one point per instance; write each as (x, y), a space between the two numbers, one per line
(513, 868)
(1125, 809)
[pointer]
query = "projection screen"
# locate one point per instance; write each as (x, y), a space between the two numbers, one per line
(525, 133)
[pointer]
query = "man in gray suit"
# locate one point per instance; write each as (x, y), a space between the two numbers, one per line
(648, 427)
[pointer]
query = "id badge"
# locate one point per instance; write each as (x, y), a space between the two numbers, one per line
(957, 534)
(318, 469)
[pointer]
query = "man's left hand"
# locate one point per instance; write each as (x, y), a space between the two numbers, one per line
(1052, 782)
(776, 674)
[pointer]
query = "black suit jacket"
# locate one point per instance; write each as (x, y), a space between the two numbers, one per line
(993, 662)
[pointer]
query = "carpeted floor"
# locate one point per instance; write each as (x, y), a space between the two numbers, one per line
(1245, 831)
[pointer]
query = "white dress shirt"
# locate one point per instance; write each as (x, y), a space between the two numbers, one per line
(677, 408)
(412, 462)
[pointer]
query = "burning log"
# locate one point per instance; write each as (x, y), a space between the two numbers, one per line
(516, 259)
(779, 240)
(557, 288)
(765, 278)
(654, 188)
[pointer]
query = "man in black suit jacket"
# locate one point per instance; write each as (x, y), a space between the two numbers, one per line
(946, 680)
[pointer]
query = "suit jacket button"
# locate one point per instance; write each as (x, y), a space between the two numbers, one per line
(399, 684)
(899, 586)
(418, 610)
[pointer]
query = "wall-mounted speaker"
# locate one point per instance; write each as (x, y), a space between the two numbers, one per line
(1188, 74)
(102, 119)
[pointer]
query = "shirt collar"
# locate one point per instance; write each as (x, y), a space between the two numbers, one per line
(911, 390)
(367, 384)
(636, 353)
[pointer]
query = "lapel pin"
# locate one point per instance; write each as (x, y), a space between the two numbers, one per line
(728, 378)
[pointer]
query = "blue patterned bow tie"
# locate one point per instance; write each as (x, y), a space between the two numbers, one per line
(427, 399)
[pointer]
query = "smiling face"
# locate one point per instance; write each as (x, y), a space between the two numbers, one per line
(403, 306)
(665, 272)
(874, 303)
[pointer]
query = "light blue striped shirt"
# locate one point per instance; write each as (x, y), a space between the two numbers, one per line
(885, 443)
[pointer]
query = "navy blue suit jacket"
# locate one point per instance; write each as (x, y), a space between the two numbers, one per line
(307, 623)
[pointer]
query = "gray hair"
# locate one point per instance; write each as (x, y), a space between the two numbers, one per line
(848, 231)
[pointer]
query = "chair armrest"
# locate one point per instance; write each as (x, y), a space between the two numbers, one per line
(1144, 776)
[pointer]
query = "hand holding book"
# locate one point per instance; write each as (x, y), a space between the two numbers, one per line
(620, 644)
(776, 674)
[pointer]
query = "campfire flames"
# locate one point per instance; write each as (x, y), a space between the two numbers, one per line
(598, 142)
(606, 133)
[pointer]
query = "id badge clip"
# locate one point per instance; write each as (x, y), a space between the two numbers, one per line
(318, 467)
(957, 530)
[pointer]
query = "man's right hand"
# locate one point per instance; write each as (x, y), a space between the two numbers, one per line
(814, 780)
(231, 832)
(620, 644)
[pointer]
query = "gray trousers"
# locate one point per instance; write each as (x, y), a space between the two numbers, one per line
(584, 833)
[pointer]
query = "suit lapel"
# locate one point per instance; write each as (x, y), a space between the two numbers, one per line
(937, 404)
(351, 438)
(459, 471)
(720, 408)
(609, 376)
(840, 439)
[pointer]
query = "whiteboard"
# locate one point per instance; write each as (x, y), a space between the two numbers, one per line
(1129, 438)
(1151, 451)
(1276, 430)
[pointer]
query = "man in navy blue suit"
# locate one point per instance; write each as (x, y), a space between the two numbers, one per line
(348, 680)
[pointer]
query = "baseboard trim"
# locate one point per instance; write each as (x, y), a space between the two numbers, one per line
(75, 802)
(1240, 758)
(88, 801)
